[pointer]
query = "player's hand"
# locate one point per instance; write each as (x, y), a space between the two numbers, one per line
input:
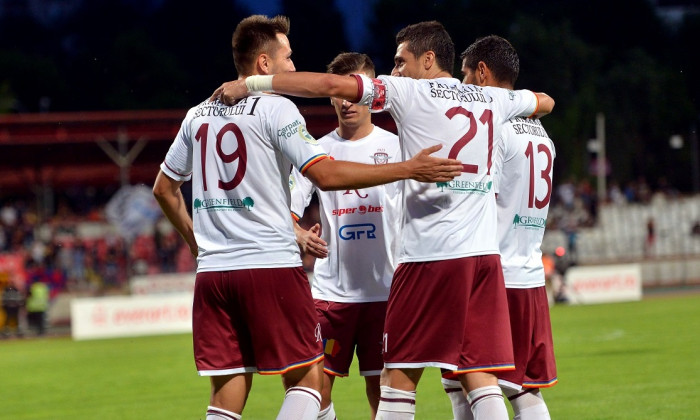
(310, 241)
(230, 92)
(427, 168)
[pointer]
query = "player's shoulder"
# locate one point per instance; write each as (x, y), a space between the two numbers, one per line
(380, 133)
(272, 100)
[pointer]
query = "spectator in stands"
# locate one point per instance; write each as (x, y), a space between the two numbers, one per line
(695, 230)
(12, 303)
(650, 238)
(37, 304)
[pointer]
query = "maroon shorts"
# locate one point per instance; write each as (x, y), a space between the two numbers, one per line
(532, 340)
(347, 326)
(254, 320)
(451, 314)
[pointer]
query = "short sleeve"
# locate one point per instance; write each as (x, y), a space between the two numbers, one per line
(289, 134)
(301, 190)
(178, 161)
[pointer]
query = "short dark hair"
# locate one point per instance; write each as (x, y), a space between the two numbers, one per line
(349, 62)
(499, 56)
(429, 36)
(254, 35)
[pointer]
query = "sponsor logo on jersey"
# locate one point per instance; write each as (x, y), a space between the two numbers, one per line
(529, 222)
(358, 231)
(290, 129)
(358, 210)
(381, 157)
(466, 187)
(223, 204)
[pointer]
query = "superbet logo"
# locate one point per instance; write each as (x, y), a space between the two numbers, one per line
(359, 210)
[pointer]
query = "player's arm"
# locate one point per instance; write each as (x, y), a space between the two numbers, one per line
(167, 192)
(545, 104)
(304, 84)
(329, 174)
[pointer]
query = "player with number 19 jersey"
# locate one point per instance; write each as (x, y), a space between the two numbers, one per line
(458, 218)
(244, 182)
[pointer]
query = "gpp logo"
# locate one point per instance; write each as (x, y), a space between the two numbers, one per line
(352, 232)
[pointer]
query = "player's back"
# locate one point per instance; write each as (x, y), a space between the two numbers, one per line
(523, 166)
(458, 218)
(240, 159)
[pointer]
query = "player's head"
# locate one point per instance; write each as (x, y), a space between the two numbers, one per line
(349, 114)
(420, 46)
(490, 61)
(260, 46)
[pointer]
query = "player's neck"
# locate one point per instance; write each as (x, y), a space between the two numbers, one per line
(438, 74)
(354, 133)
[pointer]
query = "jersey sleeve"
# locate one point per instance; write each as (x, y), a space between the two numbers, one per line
(301, 190)
(288, 133)
(178, 161)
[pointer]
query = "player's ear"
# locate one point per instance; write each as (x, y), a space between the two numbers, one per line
(263, 64)
(482, 71)
(428, 59)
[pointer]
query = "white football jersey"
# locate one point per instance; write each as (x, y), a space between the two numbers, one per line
(523, 170)
(239, 158)
(453, 219)
(361, 227)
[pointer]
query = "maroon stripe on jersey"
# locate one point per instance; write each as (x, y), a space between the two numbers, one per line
(174, 171)
(360, 86)
(451, 390)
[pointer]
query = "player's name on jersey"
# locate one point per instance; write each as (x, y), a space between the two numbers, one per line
(528, 126)
(461, 93)
(217, 109)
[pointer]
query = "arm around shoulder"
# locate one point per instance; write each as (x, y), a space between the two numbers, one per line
(545, 104)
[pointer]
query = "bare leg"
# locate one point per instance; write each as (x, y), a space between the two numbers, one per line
(230, 392)
(373, 392)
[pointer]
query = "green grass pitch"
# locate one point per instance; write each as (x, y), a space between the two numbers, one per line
(616, 361)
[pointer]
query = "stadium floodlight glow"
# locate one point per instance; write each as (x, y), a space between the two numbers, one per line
(676, 141)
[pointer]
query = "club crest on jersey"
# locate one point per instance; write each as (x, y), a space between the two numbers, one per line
(306, 136)
(465, 187)
(381, 157)
(223, 204)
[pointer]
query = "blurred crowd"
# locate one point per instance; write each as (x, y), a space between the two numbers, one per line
(77, 249)
(73, 247)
